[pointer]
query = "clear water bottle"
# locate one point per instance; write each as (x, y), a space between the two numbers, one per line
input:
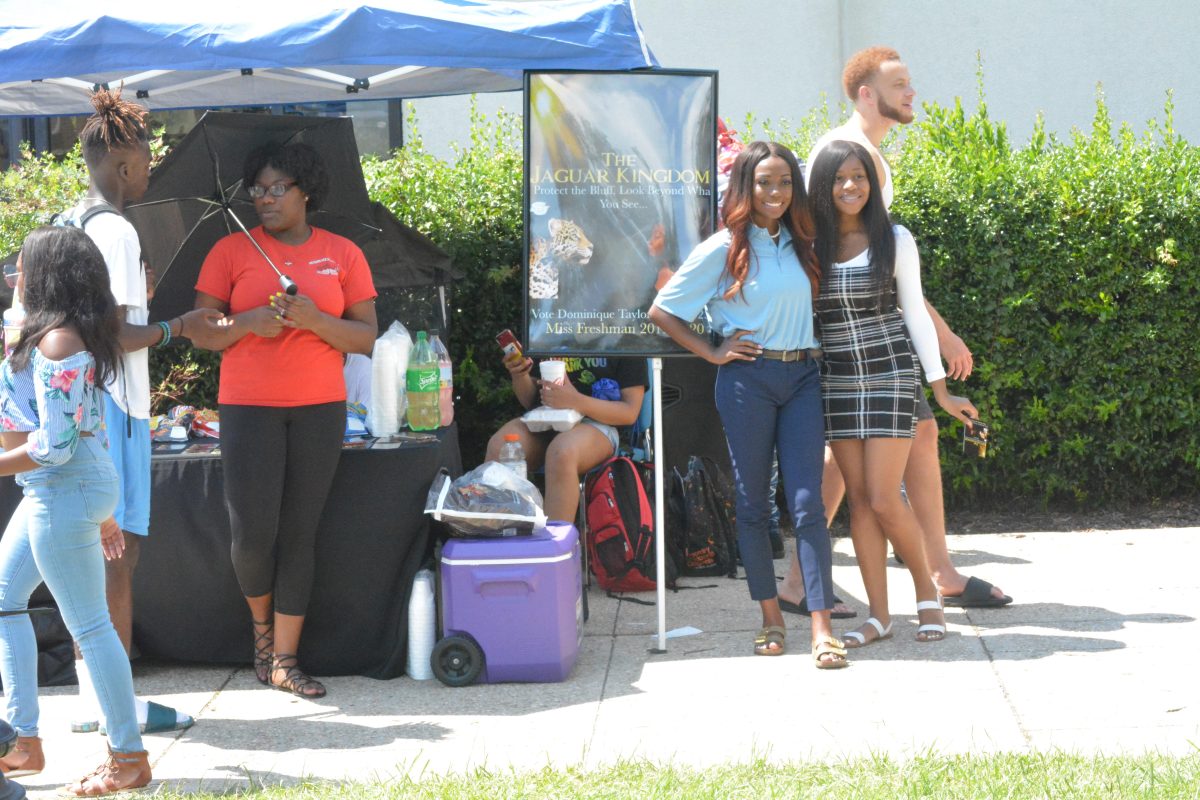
(14, 318)
(512, 455)
(421, 382)
(445, 380)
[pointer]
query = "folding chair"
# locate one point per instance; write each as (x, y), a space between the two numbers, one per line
(637, 443)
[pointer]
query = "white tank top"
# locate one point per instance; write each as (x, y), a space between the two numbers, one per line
(850, 135)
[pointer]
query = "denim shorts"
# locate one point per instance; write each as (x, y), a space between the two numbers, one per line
(608, 430)
(129, 447)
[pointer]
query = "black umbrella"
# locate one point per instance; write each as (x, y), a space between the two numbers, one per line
(402, 257)
(196, 197)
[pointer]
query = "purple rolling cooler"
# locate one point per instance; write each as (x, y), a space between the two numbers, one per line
(512, 608)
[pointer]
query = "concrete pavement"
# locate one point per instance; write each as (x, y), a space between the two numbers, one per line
(1097, 655)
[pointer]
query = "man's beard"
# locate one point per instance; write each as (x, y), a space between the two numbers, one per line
(893, 113)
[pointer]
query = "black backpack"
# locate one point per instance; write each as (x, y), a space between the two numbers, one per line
(700, 520)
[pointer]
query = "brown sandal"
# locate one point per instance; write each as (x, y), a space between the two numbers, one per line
(25, 758)
(264, 642)
(295, 680)
(770, 635)
(829, 653)
(122, 772)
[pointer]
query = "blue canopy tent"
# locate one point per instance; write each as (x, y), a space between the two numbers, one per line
(52, 55)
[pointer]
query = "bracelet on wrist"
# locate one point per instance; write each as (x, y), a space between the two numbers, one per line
(166, 334)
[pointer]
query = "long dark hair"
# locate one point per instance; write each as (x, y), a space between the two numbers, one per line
(880, 238)
(739, 202)
(66, 284)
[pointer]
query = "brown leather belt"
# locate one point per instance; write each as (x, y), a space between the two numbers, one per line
(790, 355)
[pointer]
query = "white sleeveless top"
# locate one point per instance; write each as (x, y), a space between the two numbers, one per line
(857, 136)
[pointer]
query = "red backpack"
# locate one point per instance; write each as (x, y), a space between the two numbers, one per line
(620, 528)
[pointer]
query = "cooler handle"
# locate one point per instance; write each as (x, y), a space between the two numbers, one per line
(492, 575)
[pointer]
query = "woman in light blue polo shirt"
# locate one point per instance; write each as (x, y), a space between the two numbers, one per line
(758, 278)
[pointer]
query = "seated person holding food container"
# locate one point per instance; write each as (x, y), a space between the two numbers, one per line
(607, 392)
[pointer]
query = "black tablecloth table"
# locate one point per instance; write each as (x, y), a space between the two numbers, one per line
(371, 540)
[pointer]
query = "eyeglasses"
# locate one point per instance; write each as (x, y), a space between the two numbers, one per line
(275, 189)
(10, 275)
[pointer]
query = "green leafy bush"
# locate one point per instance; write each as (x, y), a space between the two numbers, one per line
(38, 187)
(1070, 268)
(470, 206)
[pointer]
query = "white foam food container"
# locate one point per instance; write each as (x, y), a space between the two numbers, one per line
(544, 419)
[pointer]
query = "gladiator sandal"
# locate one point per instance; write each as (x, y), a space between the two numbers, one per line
(120, 773)
(295, 680)
(264, 642)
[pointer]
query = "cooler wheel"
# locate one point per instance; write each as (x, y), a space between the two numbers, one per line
(457, 661)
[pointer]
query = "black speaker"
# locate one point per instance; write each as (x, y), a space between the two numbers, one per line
(691, 425)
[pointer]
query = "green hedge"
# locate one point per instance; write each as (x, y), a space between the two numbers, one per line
(470, 206)
(1068, 266)
(34, 190)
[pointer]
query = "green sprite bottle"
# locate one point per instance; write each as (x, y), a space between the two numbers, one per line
(422, 383)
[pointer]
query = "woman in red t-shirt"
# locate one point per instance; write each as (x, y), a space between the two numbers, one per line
(282, 395)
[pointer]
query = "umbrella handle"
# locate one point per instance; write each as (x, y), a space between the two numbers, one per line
(289, 285)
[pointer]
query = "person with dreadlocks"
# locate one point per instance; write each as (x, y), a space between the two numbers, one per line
(758, 278)
(116, 149)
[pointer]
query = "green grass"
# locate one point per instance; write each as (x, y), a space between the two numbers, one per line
(1038, 775)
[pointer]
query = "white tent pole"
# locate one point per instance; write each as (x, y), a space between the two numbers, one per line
(660, 539)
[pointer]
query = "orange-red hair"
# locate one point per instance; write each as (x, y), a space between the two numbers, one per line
(863, 66)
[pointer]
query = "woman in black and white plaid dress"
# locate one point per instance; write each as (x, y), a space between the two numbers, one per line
(869, 377)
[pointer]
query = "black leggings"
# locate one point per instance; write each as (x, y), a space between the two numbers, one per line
(279, 465)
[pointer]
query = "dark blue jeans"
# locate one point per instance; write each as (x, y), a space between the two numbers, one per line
(767, 405)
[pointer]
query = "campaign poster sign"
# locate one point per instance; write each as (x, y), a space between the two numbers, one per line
(620, 182)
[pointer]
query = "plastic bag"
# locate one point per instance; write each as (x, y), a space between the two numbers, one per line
(173, 426)
(490, 500)
(356, 421)
(206, 424)
(543, 418)
(389, 360)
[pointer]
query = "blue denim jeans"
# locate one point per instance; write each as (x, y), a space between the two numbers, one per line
(768, 406)
(54, 535)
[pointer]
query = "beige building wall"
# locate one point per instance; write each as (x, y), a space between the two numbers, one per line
(776, 57)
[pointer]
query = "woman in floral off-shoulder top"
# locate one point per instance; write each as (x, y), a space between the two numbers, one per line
(52, 428)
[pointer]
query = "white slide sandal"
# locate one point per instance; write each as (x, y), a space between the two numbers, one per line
(931, 628)
(853, 639)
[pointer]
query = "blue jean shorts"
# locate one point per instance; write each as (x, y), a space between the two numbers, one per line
(608, 430)
(129, 446)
